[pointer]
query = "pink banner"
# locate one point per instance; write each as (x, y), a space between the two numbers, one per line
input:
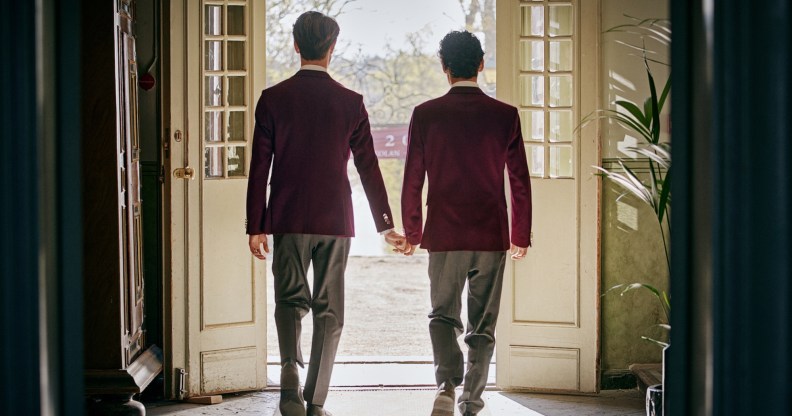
(390, 142)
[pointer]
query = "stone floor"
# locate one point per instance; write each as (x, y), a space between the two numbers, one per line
(370, 386)
(418, 402)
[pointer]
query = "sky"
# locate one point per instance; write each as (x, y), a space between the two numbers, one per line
(368, 24)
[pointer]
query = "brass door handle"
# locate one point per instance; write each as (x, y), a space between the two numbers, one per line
(184, 173)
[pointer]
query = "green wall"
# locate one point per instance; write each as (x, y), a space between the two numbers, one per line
(632, 248)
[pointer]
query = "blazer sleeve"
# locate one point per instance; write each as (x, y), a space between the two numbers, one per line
(260, 162)
(520, 183)
(412, 186)
(362, 145)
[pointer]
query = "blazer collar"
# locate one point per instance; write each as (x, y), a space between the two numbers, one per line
(313, 74)
(465, 90)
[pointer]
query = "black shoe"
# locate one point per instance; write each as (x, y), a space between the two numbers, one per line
(291, 397)
(315, 410)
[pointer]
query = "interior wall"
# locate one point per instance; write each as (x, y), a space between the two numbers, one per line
(149, 102)
(632, 249)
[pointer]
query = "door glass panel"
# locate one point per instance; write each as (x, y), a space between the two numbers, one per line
(560, 126)
(236, 55)
(214, 91)
(560, 55)
(532, 125)
(236, 126)
(213, 23)
(236, 91)
(236, 161)
(225, 83)
(536, 160)
(213, 162)
(560, 91)
(560, 20)
(560, 161)
(214, 55)
(532, 55)
(236, 20)
(532, 90)
(214, 126)
(532, 21)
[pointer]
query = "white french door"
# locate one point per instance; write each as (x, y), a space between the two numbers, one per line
(548, 67)
(215, 290)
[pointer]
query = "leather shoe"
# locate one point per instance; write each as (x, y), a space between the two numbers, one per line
(291, 397)
(316, 410)
(444, 402)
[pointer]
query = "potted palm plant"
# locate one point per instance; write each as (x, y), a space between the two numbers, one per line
(654, 188)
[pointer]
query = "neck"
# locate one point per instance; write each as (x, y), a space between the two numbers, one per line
(325, 62)
(452, 80)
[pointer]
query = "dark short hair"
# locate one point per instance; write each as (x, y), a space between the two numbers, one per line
(314, 33)
(461, 53)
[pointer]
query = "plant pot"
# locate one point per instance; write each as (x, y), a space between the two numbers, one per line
(654, 394)
(654, 400)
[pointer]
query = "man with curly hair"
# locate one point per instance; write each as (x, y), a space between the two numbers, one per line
(463, 142)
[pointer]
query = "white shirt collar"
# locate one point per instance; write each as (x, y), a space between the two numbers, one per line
(314, 68)
(464, 84)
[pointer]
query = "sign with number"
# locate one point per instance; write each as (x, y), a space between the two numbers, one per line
(390, 142)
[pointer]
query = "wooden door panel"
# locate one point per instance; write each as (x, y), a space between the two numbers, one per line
(547, 67)
(216, 282)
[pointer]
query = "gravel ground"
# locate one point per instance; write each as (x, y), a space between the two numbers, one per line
(387, 303)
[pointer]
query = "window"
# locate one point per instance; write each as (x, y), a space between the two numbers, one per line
(547, 86)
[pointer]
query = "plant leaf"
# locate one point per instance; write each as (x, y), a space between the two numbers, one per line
(655, 112)
(654, 153)
(652, 340)
(635, 111)
(664, 94)
(623, 180)
(665, 194)
(650, 193)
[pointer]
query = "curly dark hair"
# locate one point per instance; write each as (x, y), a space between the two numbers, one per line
(461, 53)
(314, 33)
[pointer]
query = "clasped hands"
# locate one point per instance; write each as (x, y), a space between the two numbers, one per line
(258, 246)
(399, 243)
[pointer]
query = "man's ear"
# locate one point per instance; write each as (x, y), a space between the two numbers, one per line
(296, 48)
(481, 66)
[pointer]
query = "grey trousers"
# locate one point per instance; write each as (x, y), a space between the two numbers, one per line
(293, 298)
(448, 272)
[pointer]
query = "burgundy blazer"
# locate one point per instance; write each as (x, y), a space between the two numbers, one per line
(306, 128)
(464, 141)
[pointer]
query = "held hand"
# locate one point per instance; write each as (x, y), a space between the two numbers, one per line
(517, 253)
(398, 241)
(409, 249)
(257, 242)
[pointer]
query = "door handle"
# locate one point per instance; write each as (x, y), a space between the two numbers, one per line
(184, 173)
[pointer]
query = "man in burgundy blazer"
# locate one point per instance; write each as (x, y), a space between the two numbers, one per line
(306, 128)
(464, 141)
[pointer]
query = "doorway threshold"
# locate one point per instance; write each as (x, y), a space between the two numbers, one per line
(357, 372)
